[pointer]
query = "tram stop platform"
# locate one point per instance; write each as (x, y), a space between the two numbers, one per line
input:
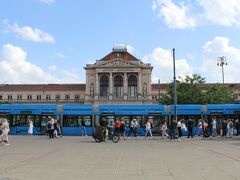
(81, 158)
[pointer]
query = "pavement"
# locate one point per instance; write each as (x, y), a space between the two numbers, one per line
(81, 158)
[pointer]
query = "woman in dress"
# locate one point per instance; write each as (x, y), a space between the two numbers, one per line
(30, 128)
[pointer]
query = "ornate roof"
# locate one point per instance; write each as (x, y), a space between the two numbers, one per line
(119, 53)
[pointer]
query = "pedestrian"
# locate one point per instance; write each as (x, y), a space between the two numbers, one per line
(224, 128)
(214, 128)
(30, 127)
(5, 130)
(148, 129)
(200, 130)
(179, 128)
(132, 128)
(50, 128)
(190, 128)
(237, 126)
(172, 129)
(117, 124)
(83, 128)
(164, 130)
(122, 128)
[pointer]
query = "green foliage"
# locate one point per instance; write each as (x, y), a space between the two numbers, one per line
(191, 91)
(219, 94)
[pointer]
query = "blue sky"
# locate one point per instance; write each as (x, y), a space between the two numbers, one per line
(50, 41)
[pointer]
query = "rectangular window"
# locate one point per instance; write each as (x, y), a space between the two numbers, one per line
(29, 97)
(9, 97)
(67, 97)
(1, 97)
(39, 97)
(48, 97)
(57, 97)
(19, 97)
(77, 97)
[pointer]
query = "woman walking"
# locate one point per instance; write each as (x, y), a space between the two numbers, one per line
(30, 128)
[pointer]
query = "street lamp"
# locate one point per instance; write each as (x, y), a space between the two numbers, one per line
(221, 62)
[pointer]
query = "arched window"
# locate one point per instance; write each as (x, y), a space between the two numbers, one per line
(118, 86)
(104, 86)
(132, 86)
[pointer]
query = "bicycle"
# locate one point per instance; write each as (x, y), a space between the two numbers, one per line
(100, 134)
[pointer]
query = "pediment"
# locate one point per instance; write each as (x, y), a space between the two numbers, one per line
(118, 63)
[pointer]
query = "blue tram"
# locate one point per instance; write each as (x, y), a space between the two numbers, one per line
(70, 116)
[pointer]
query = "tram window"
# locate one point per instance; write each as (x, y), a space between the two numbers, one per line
(71, 121)
(88, 120)
(20, 120)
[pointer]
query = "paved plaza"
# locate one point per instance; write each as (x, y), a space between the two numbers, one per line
(78, 158)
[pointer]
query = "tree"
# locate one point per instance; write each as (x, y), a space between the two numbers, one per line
(191, 91)
(218, 94)
(188, 90)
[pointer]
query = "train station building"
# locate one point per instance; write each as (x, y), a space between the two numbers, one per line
(117, 78)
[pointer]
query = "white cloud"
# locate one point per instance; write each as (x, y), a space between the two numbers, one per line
(14, 68)
(49, 2)
(218, 47)
(28, 33)
(60, 55)
(222, 12)
(187, 14)
(175, 16)
(162, 62)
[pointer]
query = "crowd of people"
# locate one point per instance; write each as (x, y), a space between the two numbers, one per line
(172, 129)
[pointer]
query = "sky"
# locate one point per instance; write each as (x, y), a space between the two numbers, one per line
(51, 41)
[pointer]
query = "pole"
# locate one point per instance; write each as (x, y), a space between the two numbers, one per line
(222, 74)
(159, 92)
(175, 88)
(221, 62)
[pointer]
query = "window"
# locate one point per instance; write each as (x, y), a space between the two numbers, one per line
(39, 97)
(19, 97)
(1, 97)
(118, 55)
(118, 86)
(29, 97)
(57, 97)
(67, 97)
(104, 86)
(77, 97)
(132, 86)
(9, 97)
(48, 97)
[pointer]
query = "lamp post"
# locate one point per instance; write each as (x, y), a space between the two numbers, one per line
(175, 88)
(159, 100)
(221, 62)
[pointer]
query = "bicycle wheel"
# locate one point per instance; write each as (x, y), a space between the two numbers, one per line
(98, 138)
(115, 138)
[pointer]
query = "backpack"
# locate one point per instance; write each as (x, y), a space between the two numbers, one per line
(49, 126)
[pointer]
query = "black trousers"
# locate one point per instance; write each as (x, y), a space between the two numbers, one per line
(190, 129)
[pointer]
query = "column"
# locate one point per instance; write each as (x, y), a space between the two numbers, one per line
(96, 93)
(139, 85)
(110, 87)
(125, 87)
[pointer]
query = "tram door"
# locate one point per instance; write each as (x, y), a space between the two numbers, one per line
(110, 117)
